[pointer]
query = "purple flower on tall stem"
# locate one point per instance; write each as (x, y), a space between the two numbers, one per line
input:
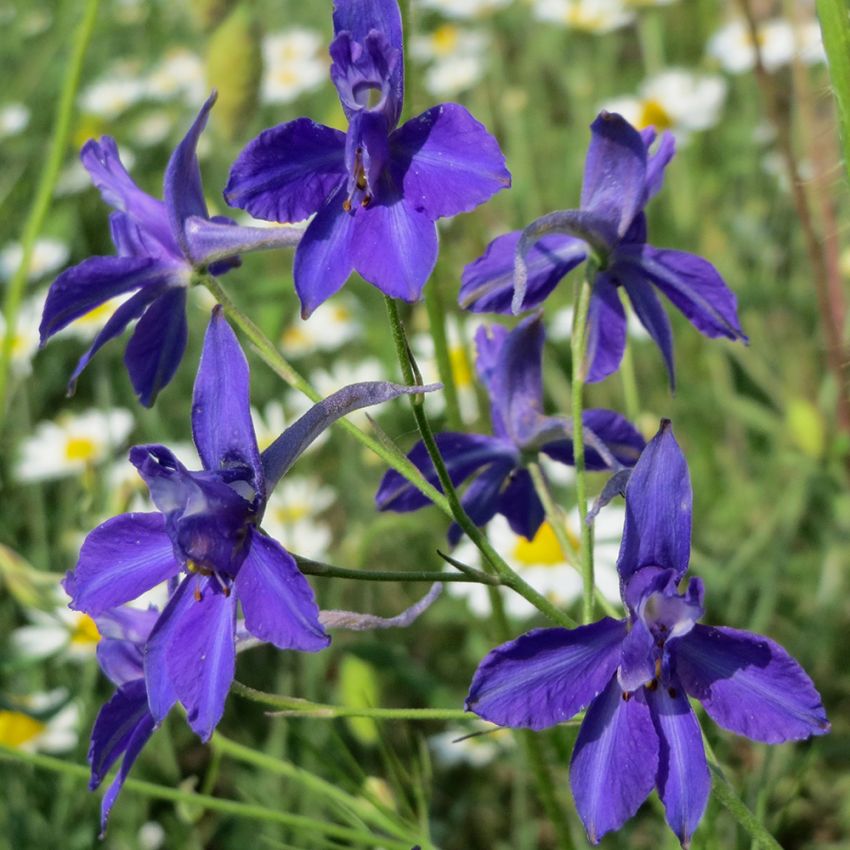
(161, 245)
(519, 270)
(206, 538)
(634, 676)
(510, 366)
(378, 189)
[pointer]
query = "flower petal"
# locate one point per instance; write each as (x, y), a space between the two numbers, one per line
(614, 761)
(278, 603)
(521, 506)
(323, 259)
(287, 448)
(394, 246)
(614, 172)
(545, 676)
(606, 330)
(658, 160)
(221, 406)
(288, 171)
(614, 431)
(203, 656)
(637, 665)
(749, 685)
(659, 500)
(157, 345)
(446, 162)
(684, 781)
(182, 188)
(213, 241)
(487, 285)
(481, 499)
(92, 282)
(120, 560)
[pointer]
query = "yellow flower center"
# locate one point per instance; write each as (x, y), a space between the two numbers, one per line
(80, 448)
(544, 549)
(96, 316)
(294, 337)
(17, 728)
(653, 114)
(445, 39)
(291, 513)
(85, 632)
(287, 76)
(461, 370)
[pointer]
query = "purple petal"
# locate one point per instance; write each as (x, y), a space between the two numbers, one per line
(614, 761)
(287, 448)
(658, 160)
(651, 315)
(684, 781)
(356, 622)
(481, 500)
(749, 685)
(606, 330)
(157, 345)
(131, 240)
(323, 259)
(288, 171)
(83, 287)
(446, 162)
(614, 172)
(211, 241)
(182, 188)
(545, 676)
(120, 660)
(120, 560)
(693, 285)
(659, 500)
(117, 188)
(618, 435)
(463, 454)
(203, 656)
(521, 506)
(394, 247)
(221, 406)
(488, 283)
(637, 664)
(277, 601)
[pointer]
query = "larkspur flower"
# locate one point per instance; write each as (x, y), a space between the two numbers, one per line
(520, 269)
(378, 189)
(634, 676)
(161, 245)
(510, 366)
(207, 535)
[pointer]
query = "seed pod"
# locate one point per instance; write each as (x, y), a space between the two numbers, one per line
(234, 66)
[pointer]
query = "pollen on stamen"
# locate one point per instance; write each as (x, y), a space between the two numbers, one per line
(627, 695)
(346, 205)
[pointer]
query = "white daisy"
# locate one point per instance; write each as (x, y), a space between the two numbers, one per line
(112, 95)
(457, 58)
(49, 254)
(26, 341)
(732, 45)
(592, 16)
(331, 325)
(14, 118)
(459, 745)
(179, 74)
(464, 8)
(292, 65)
(22, 725)
(290, 516)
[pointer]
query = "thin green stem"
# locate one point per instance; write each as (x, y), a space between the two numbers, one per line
(545, 788)
(496, 562)
(72, 73)
(437, 324)
(835, 29)
(317, 568)
(213, 804)
(579, 347)
(295, 707)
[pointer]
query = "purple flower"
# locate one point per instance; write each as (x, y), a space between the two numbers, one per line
(161, 245)
(634, 676)
(377, 189)
(207, 534)
(519, 270)
(509, 364)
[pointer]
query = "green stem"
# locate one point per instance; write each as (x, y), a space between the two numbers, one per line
(213, 804)
(579, 347)
(72, 72)
(437, 324)
(498, 564)
(554, 810)
(295, 707)
(835, 28)
(317, 568)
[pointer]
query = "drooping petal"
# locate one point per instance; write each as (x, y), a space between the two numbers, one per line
(83, 287)
(684, 781)
(614, 184)
(481, 499)
(288, 171)
(278, 603)
(203, 656)
(659, 500)
(637, 665)
(157, 344)
(545, 676)
(693, 285)
(487, 284)
(658, 160)
(221, 405)
(521, 506)
(463, 454)
(182, 188)
(323, 259)
(614, 761)
(211, 241)
(749, 684)
(120, 660)
(120, 560)
(287, 448)
(618, 435)
(357, 622)
(606, 330)
(446, 162)
(394, 246)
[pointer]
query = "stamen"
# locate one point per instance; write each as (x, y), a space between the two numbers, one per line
(652, 684)
(673, 692)
(627, 695)
(346, 205)
(657, 668)
(225, 589)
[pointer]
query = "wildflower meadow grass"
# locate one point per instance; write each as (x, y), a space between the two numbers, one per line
(425, 424)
